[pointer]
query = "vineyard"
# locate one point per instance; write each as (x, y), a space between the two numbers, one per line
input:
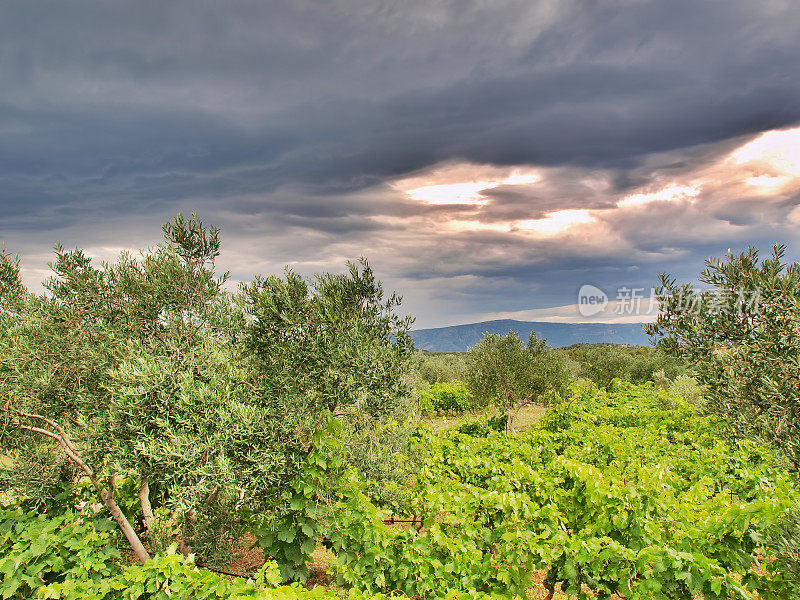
(627, 492)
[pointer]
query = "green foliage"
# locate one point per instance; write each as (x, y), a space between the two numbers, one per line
(210, 528)
(483, 427)
(12, 291)
(157, 374)
(784, 542)
(332, 343)
(173, 576)
(72, 557)
(69, 559)
(289, 536)
(625, 491)
(333, 346)
(38, 473)
(191, 241)
(286, 408)
(741, 338)
(612, 490)
(379, 448)
(435, 367)
(505, 371)
(685, 388)
(36, 551)
(444, 397)
(603, 363)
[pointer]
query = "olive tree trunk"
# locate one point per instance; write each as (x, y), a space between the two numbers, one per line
(106, 493)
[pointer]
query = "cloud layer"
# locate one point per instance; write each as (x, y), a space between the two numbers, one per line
(488, 157)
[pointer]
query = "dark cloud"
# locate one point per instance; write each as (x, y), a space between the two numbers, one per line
(290, 121)
(562, 188)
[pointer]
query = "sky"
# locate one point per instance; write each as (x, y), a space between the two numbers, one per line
(488, 157)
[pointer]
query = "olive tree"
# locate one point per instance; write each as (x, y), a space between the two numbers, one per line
(741, 336)
(146, 369)
(503, 370)
(602, 363)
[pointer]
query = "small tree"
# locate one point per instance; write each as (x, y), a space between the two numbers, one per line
(333, 343)
(501, 369)
(328, 347)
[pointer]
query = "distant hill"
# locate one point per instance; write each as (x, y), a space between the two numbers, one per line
(459, 338)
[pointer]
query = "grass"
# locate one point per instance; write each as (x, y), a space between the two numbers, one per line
(528, 415)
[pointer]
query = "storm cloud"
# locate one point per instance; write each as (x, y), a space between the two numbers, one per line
(303, 129)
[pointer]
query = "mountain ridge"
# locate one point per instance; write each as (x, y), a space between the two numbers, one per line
(459, 338)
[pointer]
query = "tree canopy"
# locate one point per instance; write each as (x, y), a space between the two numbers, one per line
(153, 372)
(503, 370)
(741, 335)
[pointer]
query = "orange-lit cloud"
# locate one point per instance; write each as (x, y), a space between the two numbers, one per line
(461, 183)
(672, 193)
(474, 218)
(468, 192)
(777, 152)
(768, 181)
(759, 169)
(467, 225)
(557, 221)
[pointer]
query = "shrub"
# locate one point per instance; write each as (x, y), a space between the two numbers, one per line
(483, 427)
(174, 576)
(435, 367)
(602, 363)
(784, 542)
(72, 556)
(36, 551)
(443, 397)
(686, 388)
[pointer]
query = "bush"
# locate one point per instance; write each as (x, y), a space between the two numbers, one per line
(483, 427)
(686, 388)
(174, 576)
(72, 556)
(444, 397)
(784, 542)
(602, 363)
(37, 551)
